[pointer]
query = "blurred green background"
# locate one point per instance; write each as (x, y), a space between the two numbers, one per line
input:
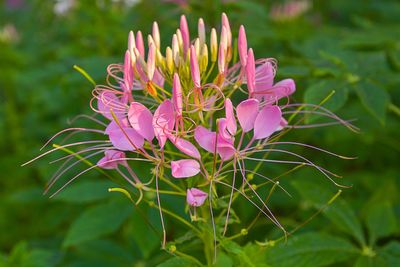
(352, 47)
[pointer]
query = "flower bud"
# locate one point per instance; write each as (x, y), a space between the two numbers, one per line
(242, 46)
(180, 40)
(156, 34)
(221, 59)
(177, 95)
(169, 60)
(204, 58)
(250, 72)
(214, 45)
(225, 23)
(151, 61)
(194, 67)
(175, 49)
(185, 33)
(195, 197)
(224, 39)
(140, 43)
(197, 47)
(131, 42)
(202, 31)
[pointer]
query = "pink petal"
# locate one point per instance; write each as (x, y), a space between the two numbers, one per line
(194, 67)
(158, 78)
(141, 120)
(123, 139)
(264, 79)
(222, 125)
(184, 168)
(267, 122)
(247, 112)
(242, 46)
(114, 126)
(177, 95)
(195, 197)
(108, 101)
(185, 146)
(205, 138)
(284, 88)
(163, 121)
(225, 148)
(110, 160)
(250, 72)
(230, 117)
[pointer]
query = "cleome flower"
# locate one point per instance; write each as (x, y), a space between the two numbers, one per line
(196, 114)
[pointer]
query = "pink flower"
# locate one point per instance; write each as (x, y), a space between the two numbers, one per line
(195, 197)
(185, 168)
(111, 160)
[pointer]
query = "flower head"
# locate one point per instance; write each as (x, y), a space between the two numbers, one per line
(185, 118)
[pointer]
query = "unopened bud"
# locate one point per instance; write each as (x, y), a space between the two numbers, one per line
(175, 49)
(225, 23)
(202, 31)
(151, 61)
(180, 40)
(197, 47)
(204, 58)
(214, 45)
(156, 34)
(169, 60)
(224, 39)
(221, 59)
(140, 43)
(131, 42)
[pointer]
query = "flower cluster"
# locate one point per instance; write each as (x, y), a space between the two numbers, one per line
(199, 112)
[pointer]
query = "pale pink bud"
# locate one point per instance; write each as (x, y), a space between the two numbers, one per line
(225, 23)
(242, 46)
(177, 95)
(195, 197)
(140, 43)
(151, 61)
(202, 31)
(131, 42)
(224, 39)
(221, 59)
(156, 34)
(185, 33)
(214, 45)
(194, 67)
(175, 49)
(250, 72)
(180, 40)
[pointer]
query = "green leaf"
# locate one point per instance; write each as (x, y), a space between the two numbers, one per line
(374, 99)
(319, 91)
(242, 255)
(381, 221)
(223, 260)
(339, 212)
(391, 253)
(97, 221)
(310, 250)
(85, 191)
(176, 262)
